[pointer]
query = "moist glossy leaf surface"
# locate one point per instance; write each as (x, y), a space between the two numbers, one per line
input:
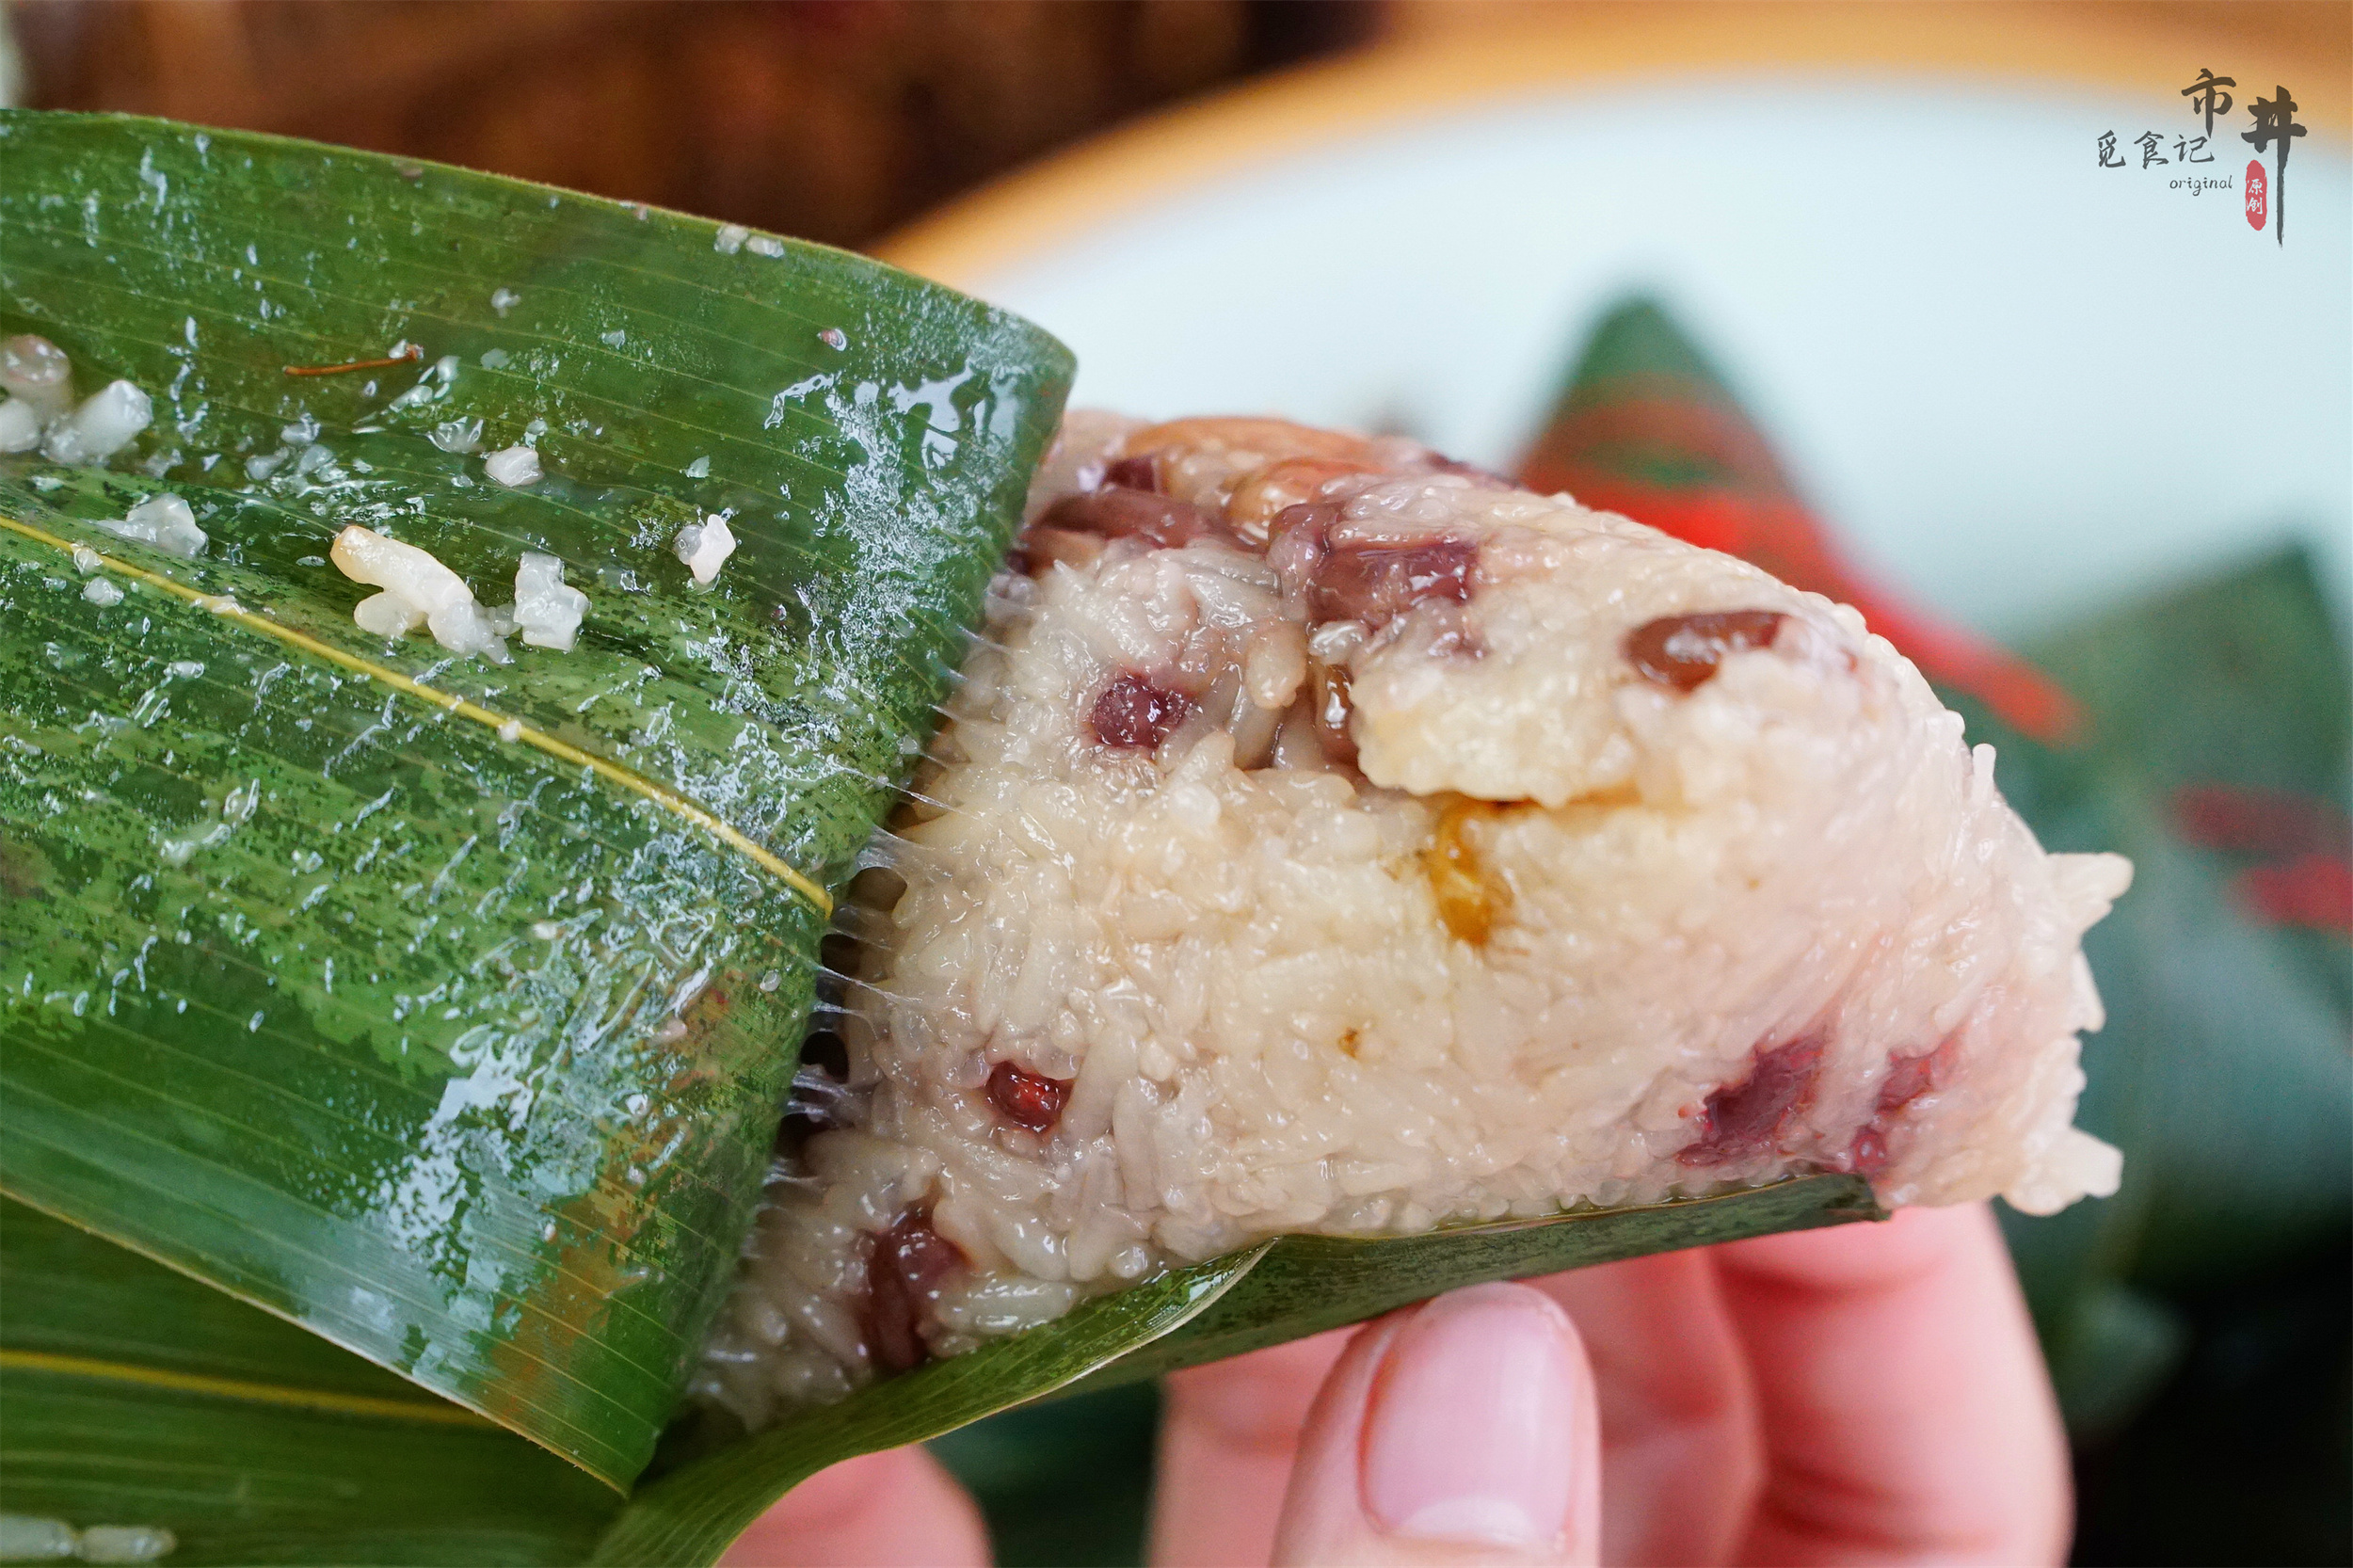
(138, 1396)
(440, 1005)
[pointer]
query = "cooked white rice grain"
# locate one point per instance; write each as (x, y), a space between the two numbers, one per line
(165, 521)
(37, 373)
(419, 587)
(516, 467)
(107, 421)
(546, 610)
(20, 424)
(705, 548)
(387, 614)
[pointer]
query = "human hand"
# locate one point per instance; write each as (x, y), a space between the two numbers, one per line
(1868, 1394)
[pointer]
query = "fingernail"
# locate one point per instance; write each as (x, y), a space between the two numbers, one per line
(1472, 1432)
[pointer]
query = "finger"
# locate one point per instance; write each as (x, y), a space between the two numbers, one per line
(1229, 1433)
(891, 1508)
(1681, 1458)
(1463, 1430)
(1906, 1413)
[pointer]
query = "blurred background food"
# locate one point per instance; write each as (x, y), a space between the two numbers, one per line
(2170, 684)
(828, 120)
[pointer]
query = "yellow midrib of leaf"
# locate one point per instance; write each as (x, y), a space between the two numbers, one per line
(321, 1400)
(505, 727)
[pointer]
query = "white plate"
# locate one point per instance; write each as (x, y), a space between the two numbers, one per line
(2017, 382)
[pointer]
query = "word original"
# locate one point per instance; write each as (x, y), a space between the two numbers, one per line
(2275, 131)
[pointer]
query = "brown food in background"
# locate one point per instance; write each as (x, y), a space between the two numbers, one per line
(832, 119)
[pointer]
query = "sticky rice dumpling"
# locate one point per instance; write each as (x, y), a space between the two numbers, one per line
(1328, 836)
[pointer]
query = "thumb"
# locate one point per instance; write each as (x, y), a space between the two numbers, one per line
(1462, 1431)
(884, 1510)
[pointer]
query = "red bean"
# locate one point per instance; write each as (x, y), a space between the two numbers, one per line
(1027, 1099)
(1134, 713)
(904, 1264)
(1362, 582)
(1119, 513)
(1748, 1118)
(1377, 584)
(1134, 473)
(1041, 546)
(1682, 651)
(1907, 1078)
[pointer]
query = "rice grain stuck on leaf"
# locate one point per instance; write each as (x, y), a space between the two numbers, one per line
(1330, 838)
(705, 547)
(107, 421)
(546, 612)
(165, 522)
(516, 467)
(40, 410)
(418, 591)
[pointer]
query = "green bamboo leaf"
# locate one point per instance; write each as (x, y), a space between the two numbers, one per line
(441, 1006)
(2221, 1071)
(138, 1396)
(1308, 1283)
(691, 1514)
(1265, 1295)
